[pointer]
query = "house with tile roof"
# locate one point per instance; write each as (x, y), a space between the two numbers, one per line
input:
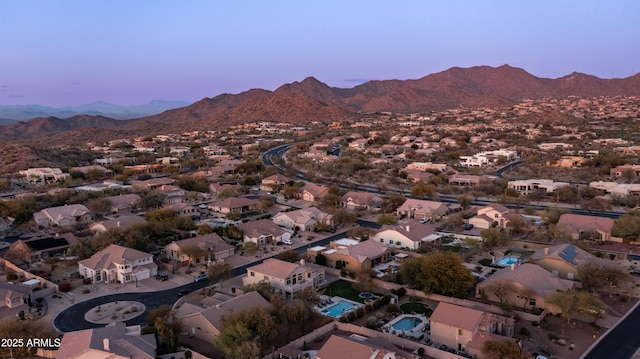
(207, 323)
(564, 260)
(152, 183)
(13, 295)
(238, 205)
(587, 227)
(114, 341)
(44, 246)
(526, 286)
(124, 203)
(287, 278)
(118, 264)
(125, 222)
(63, 216)
(312, 192)
(409, 234)
(354, 256)
(263, 231)
(494, 214)
(355, 200)
(419, 208)
(305, 219)
(216, 248)
(273, 182)
(466, 329)
(366, 348)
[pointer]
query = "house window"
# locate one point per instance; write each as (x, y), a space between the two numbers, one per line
(288, 281)
(381, 240)
(253, 274)
(460, 332)
(266, 277)
(127, 278)
(532, 302)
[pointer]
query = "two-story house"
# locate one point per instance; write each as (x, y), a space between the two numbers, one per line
(494, 214)
(286, 278)
(361, 200)
(273, 182)
(124, 203)
(466, 329)
(118, 264)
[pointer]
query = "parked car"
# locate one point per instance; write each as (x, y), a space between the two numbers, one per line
(635, 272)
(162, 277)
(287, 241)
(424, 220)
(468, 226)
(200, 277)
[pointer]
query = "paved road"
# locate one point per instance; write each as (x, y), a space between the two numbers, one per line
(72, 318)
(621, 342)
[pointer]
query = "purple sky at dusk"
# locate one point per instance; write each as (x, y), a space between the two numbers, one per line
(62, 53)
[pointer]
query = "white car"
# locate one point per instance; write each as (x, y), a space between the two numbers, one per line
(287, 241)
(424, 220)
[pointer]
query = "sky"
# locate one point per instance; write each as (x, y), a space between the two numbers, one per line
(64, 53)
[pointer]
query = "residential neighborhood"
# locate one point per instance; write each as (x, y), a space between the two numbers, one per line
(426, 240)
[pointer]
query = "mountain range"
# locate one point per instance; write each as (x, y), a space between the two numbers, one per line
(14, 113)
(312, 100)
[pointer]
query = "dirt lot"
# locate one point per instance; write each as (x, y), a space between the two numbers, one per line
(578, 334)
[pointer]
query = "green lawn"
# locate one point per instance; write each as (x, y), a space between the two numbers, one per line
(409, 308)
(344, 289)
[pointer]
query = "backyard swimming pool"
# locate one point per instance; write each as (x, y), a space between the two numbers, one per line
(507, 261)
(339, 308)
(407, 323)
(413, 325)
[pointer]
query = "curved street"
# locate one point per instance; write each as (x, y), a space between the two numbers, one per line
(72, 318)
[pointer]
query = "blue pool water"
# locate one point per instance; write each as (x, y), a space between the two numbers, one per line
(336, 310)
(407, 323)
(507, 261)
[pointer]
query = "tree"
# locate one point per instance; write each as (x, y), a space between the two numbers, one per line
(100, 206)
(595, 277)
(439, 273)
(321, 259)
(194, 252)
(423, 189)
(491, 237)
(573, 302)
(204, 229)
(159, 319)
(289, 256)
(360, 233)
(151, 200)
(464, 201)
(235, 341)
(266, 202)
(386, 218)
(627, 226)
(24, 330)
(502, 349)
(220, 271)
(184, 223)
(501, 289)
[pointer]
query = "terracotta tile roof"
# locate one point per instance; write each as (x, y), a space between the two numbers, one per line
(275, 268)
(122, 343)
(457, 316)
(341, 347)
(530, 276)
(207, 241)
(113, 254)
(261, 227)
(411, 229)
(576, 223)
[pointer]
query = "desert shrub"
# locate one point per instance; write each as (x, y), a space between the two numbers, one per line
(64, 287)
(86, 281)
(360, 312)
(351, 316)
(525, 331)
(392, 308)
(11, 276)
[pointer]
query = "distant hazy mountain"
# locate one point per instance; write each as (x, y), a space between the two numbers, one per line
(14, 113)
(312, 100)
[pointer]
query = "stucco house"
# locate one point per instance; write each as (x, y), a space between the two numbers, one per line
(286, 278)
(409, 235)
(273, 182)
(238, 205)
(419, 208)
(304, 219)
(466, 329)
(114, 341)
(492, 215)
(13, 295)
(353, 255)
(63, 216)
(123, 204)
(526, 286)
(361, 200)
(43, 246)
(206, 323)
(118, 264)
(124, 222)
(312, 192)
(216, 248)
(263, 231)
(564, 259)
(587, 227)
